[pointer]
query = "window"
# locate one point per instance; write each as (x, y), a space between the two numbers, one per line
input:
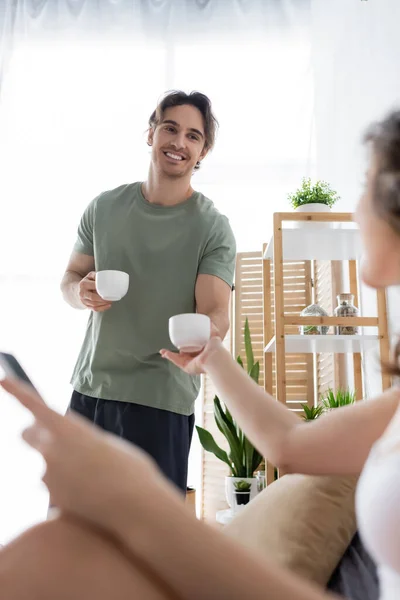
(73, 122)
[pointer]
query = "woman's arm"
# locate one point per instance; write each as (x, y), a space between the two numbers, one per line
(279, 434)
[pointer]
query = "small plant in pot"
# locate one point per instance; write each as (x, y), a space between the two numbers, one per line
(242, 492)
(342, 397)
(242, 457)
(311, 412)
(317, 197)
(329, 401)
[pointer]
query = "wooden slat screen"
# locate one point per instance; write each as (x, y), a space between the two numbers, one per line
(327, 365)
(299, 367)
(248, 302)
(213, 470)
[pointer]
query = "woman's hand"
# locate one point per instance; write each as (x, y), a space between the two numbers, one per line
(89, 473)
(193, 363)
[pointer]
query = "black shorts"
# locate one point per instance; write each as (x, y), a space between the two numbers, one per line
(165, 435)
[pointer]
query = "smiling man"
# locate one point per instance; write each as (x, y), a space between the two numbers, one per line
(179, 252)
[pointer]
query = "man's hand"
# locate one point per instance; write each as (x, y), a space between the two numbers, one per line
(193, 363)
(89, 296)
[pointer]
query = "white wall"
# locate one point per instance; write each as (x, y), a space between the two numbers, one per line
(356, 58)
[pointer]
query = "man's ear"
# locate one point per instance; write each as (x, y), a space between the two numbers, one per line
(203, 154)
(150, 137)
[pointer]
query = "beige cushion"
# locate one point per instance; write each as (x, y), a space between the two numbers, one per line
(303, 522)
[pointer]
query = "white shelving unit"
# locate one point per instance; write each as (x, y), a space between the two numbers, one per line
(304, 238)
(318, 243)
(326, 344)
(324, 237)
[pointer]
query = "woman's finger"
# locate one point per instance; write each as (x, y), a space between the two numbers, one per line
(39, 437)
(29, 398)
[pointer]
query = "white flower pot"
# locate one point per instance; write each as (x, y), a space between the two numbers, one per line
(311, 208)
(230, 489)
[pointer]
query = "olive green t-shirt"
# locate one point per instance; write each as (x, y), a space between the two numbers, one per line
(163, 249)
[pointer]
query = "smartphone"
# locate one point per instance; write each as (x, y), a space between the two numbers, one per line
(12, 368)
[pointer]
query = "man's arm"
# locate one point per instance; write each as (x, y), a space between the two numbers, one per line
(78, 284)
(212, 298)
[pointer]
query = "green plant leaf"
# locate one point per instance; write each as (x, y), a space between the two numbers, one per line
(248, 346)
(248, 456)
(243, 459)
(227, 427)
(225, 416)
(242, 486)
(255, 372)
(312, 412)
(229, 416)
(257, 460)
(319, 192)
(342, 397)
(210, 445)
(229, 432)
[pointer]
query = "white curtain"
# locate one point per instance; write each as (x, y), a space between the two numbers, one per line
(79, 83)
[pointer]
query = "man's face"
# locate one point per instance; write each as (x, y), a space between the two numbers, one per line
(178, 141)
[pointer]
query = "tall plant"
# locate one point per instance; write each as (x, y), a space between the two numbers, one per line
(242, 458)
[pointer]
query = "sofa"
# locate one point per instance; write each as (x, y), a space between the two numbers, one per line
(308, 525)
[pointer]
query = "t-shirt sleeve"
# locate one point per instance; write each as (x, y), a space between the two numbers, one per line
(85, 237)
(219, 256)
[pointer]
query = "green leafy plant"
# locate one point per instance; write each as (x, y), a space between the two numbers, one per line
(242, 458)
(321, 193)
(331, 399)
(311, 412)
(337, 399)
(242, 486)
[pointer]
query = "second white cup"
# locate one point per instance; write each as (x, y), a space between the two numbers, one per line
(189, 332)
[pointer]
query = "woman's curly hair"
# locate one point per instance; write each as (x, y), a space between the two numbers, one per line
(384, 139)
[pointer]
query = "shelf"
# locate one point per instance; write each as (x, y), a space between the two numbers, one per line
(320, 344)
(322, 242)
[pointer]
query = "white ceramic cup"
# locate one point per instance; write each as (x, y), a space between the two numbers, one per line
(189, 332)
(112, 285)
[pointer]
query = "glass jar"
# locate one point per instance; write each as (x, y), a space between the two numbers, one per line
(346, 308)
(314, 310)
(261, 481)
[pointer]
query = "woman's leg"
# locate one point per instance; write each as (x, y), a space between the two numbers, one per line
(114, 486)
(64, 560)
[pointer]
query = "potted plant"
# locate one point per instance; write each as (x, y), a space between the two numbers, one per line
(311, 412)
(242, 492)
(242, 458)
(329, 401)
(317, 197)
(342, 397)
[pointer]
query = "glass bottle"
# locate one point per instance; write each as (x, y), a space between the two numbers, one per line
(346, 308)
(314, 310)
